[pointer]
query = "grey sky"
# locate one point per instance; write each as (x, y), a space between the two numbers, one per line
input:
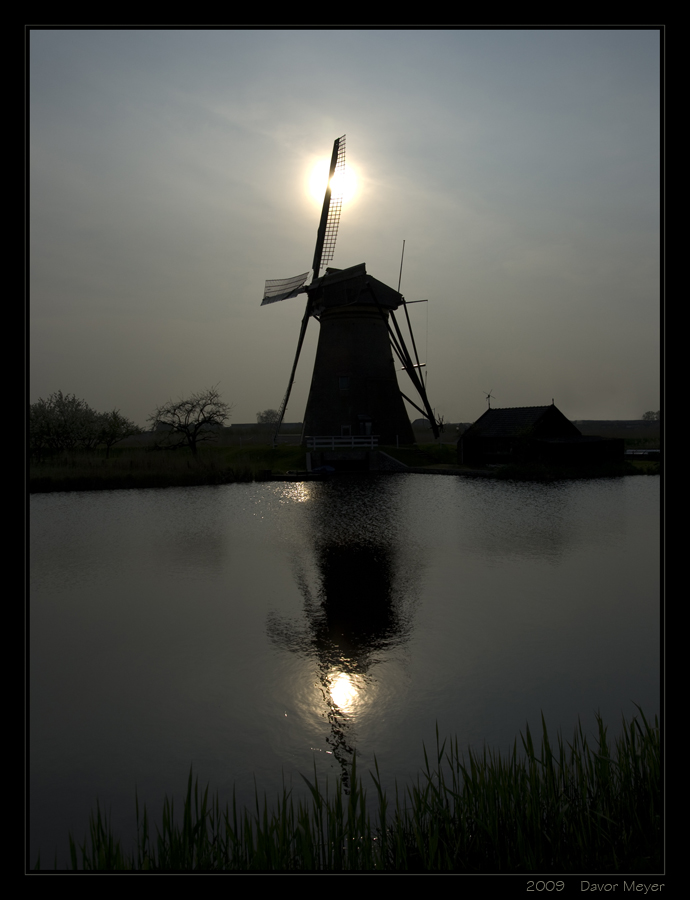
(168, 180)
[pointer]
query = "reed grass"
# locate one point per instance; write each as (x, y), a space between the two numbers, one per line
(580, 806)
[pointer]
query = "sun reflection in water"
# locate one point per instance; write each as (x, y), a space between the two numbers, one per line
(345, 692)
(296, 492)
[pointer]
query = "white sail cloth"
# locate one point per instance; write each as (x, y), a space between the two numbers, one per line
(282, 288)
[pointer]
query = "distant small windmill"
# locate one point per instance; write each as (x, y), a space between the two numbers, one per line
(354, 388)
(490, 397)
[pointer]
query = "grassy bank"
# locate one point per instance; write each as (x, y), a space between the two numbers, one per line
(581, 806)
(426, 455)
(143, 467)
(140, 467)
(444, 456)
(543, 472)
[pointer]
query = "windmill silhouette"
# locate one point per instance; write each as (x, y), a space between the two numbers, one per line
(490, 397)
(354, 388)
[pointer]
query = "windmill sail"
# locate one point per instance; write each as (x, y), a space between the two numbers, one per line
(282, 288)
(323, 254)
(330, 212)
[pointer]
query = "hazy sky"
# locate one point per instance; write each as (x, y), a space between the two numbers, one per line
(169, 179)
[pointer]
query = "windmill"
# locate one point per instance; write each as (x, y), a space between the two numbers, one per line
(354, 388)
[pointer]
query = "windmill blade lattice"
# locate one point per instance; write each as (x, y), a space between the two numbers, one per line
(330, 212)
(334, 208)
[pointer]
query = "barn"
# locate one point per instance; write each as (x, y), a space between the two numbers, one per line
(529, 434)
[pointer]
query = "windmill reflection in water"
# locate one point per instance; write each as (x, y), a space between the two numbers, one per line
(357, 607)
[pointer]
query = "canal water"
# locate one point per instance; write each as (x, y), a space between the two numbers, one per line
(256, 631)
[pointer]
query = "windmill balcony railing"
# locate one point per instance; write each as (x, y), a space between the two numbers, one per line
(329, 442)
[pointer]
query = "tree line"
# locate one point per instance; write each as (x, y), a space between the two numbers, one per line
(63, 422)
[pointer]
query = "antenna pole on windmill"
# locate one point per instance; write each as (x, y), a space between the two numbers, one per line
(402, 256)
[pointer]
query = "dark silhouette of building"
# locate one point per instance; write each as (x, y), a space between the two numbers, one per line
(354, 388)
(528, 434)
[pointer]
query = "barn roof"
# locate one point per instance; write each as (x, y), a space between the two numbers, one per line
(513, 420)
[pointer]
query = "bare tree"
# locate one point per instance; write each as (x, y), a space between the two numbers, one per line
(189, 422)
(268, 417)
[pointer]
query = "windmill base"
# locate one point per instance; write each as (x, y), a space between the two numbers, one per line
(352, 460)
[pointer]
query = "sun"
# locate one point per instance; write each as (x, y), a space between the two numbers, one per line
(318, 176)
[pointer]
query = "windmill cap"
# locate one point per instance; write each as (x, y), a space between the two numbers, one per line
(343, 287)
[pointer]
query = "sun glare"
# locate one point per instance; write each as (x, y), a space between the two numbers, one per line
(318, 177)
(344, 691)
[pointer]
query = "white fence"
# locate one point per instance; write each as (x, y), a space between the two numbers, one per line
(328, 442)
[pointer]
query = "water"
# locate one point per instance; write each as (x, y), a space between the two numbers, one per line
(259, 630)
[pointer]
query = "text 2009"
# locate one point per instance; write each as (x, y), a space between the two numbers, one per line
(545, 885)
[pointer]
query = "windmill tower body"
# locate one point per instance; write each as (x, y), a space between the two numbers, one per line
(354, 388)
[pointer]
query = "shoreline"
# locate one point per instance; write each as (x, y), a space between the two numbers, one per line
(78, 483)
(133, 468)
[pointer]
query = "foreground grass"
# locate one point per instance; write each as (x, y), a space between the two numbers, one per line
(568, 807)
